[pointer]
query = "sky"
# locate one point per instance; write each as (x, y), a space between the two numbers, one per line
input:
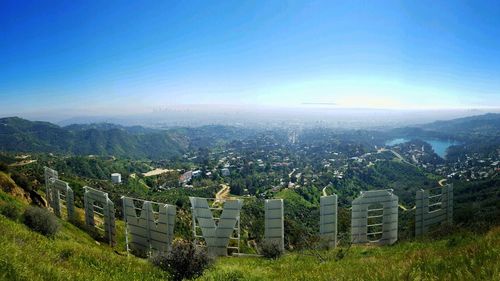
(99, 57)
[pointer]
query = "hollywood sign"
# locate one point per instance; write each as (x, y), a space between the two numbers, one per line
(150, 225)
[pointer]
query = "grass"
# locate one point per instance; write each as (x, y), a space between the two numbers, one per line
(7, 184)
(463, 256)
(73, 255)
(289, 196)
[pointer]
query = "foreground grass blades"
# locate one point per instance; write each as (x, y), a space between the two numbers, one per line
(70, 255)
(463, 256)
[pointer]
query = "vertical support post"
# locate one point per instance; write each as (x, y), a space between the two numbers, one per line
(419, 212)
(449, 210)
(70, 204)
(147, 206)
(126, 224)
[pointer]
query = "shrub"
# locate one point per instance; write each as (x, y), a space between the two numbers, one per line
(22, 181)
(183, 261)
(65, 254)
(4, 167)
(11, 211)
(341, 253)
(139, 252)
(41, 220)
(442, 231)
(271, 249)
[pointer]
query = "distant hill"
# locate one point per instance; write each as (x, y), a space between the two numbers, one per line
(20, 135)
(464, 129)
(486, 124)
(209, 135)
(110, 126)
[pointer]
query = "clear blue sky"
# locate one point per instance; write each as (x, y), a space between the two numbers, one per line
(126, 55)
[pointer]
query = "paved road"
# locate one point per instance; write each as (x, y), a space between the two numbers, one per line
(395, 154)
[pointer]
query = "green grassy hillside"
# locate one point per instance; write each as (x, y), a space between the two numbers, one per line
(71, 255)
(462, 256)
(74, 255)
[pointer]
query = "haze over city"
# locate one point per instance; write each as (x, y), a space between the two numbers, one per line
(104, 60)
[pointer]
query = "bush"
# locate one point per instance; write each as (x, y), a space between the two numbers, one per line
(22, 181)
(183, 261)
(41, 220)
(11, 211)
(140, 253)
(4, 167)
(65, 254)
(271, 249)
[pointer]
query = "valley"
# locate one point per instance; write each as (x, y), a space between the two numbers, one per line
(222, 162)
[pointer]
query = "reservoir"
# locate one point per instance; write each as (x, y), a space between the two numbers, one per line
(438, 145)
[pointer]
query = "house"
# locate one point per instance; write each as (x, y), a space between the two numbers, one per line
(116, 178)
(186, 177)
(196, 173)
(225, 172)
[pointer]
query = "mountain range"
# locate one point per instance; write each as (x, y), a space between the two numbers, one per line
(21, 135)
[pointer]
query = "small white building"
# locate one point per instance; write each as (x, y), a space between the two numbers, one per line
(116, 178)
(225, 172)
(196, 173)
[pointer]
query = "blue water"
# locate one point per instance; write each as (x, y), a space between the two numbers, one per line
(439, 146)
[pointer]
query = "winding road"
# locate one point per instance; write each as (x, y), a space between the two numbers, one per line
(441, 182)
(222, 194)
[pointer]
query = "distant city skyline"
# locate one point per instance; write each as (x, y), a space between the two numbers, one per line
(113, 57)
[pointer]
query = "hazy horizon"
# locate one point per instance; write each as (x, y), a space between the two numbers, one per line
(270, 117)
(90, 60)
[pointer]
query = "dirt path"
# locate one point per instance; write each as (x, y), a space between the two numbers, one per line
(22, 163)
(156, 172)
(222, 194)
(324, 191)
(441, 182)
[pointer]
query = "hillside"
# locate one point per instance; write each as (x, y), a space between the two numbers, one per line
(8, 185)
(20, 135)
(71, 255)
(74, 255)
(462, 256)
(483, 126)
(486, 124)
